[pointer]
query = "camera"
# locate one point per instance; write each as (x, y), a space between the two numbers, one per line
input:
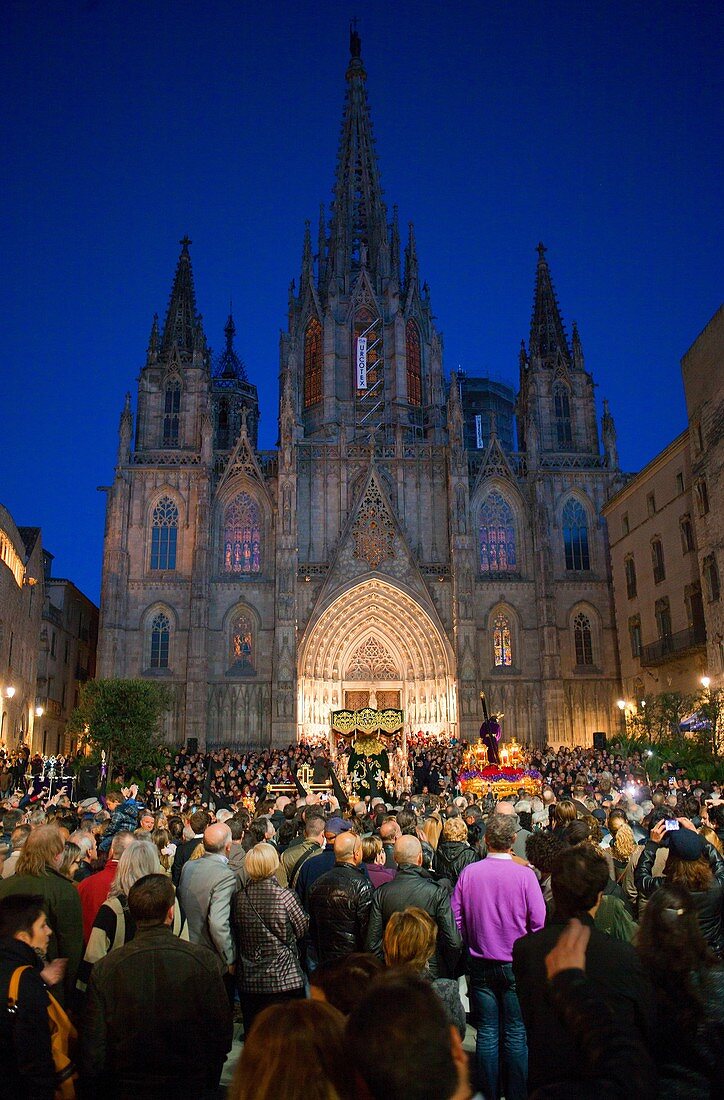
(670, 826)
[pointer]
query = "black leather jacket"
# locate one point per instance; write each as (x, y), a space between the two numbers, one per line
(339, 909)
(708, 902)
(451, 856)
(416, 886)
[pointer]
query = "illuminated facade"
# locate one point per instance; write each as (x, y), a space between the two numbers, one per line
(375, 555)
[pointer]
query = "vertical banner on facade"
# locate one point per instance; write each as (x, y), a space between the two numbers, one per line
(361, 362)
(479, 431)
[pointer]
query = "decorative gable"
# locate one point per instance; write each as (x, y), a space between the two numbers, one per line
(373, 530)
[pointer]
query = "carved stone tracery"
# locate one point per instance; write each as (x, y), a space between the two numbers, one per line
(373, 531)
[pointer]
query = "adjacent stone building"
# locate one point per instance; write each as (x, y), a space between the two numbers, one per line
(377, 555)
(67, 658)
(703, 372)
(656, 585)
(21, 601)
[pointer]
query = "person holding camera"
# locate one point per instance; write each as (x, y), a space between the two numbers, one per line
(692, 863)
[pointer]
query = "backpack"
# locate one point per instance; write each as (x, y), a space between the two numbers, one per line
(62, 1034)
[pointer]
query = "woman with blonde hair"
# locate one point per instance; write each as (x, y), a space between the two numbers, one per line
(37, 873)
(294, 1051)
(453, 851)
(162, 840)
(409, 940)
(269, 922)
(114, 926)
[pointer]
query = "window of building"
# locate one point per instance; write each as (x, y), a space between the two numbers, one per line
(502, 644)
(312, 363)
(242, 644)
(657, 561)
(694, 608)
(67, 651)
(651, 504)
(698, 437)
(164, 533)
(687, 534)
(160, 638)
(634, 630)
(53, 642)
(414, 364)
(242, 536)
(582, 639)
(171, 414)
(562, 415)
(497, 536)
(222, 425)
(702, 496)
(680, 482)
(630, 570)
(711, 576)
(625, 523)
(575, 535)
(663, 617)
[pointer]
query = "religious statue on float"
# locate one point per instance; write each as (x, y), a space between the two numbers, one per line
(368, 759)
(490, 731)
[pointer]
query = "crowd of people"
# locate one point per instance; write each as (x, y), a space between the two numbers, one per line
(432, 945)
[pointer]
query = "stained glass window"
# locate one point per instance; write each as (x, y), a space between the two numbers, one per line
(312, 363)
(562, 412)
(575, 535)
(502, 646)
(582, 639)
(242, 644)
(160, 636)
(242, 536)
(497, 536)
(171, 414)
(414, 364)
(164, 532)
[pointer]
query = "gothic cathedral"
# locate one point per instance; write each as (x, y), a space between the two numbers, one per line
(396, 548)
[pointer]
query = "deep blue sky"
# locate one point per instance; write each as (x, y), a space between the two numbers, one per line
(595, 127)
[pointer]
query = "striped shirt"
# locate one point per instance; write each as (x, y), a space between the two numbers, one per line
(113, 927)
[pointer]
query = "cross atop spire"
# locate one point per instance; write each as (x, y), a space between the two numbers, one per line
(548, 341)
(179, 330)
(358, 212)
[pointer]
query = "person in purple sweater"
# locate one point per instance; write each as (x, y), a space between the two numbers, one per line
(495, 902)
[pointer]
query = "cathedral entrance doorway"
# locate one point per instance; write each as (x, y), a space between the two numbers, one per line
(375, 645)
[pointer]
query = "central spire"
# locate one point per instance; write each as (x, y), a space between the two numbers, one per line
(359, 220)
(180, 328)
(548, 339)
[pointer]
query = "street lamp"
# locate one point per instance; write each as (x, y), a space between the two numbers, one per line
(705, 681)
(10, 691)
(39, 712)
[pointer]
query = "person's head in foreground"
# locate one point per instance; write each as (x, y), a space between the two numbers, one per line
(343, 983)
(294, 1051)
(400, 1045)
(410, 938)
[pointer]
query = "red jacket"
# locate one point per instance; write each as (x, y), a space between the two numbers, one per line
(93, 892)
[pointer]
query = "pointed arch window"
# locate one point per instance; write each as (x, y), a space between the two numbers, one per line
(414, 364)
(562, 415)
(160, 640)
(242, 536)
(242, 645)
(497, 536)
(164, 533)
(171, 413)
(502, 641)
(312, 363)
(582, 639)
(575, 536)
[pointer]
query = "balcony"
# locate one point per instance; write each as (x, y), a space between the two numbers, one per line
(673, 646)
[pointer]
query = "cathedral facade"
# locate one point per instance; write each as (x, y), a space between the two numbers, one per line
(376, 555)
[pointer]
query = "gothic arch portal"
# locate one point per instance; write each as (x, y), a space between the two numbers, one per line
(404, 649)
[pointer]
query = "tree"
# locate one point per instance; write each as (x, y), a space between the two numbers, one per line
(123, 718)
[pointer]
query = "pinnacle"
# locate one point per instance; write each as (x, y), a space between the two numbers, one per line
(179, 330)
